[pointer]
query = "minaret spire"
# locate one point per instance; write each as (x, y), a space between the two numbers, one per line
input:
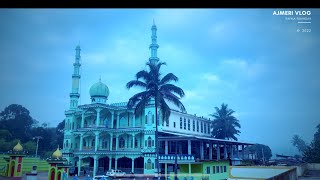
(74, 95)
(154, 46)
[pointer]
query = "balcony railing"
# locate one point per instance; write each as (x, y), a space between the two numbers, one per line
(183, 157)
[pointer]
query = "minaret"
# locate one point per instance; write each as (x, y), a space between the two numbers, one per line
(74, 95)
(154, 46)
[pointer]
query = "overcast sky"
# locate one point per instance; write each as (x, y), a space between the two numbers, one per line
(255, 62)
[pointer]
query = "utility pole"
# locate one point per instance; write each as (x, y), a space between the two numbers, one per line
(37, 137)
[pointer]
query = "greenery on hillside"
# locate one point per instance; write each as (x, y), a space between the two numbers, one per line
(17, 124)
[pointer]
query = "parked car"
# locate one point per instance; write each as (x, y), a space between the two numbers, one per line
(115, 173)
(74, 170)
(102, 177)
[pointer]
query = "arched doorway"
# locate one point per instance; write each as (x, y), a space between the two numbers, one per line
(124, 164)
(52, 174)
(138, 165)
(103, 164)
(12, 168)
(59, 175)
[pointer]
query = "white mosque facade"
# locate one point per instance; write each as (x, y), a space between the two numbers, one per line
(103, 135)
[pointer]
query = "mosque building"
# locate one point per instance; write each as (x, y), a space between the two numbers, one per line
(104, 135)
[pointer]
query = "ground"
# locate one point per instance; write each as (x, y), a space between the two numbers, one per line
(311, 175)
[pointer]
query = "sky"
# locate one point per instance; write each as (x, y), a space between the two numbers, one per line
(250, 59)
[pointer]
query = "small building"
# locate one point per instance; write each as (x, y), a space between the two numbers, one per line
(58, 166)
(15, 162)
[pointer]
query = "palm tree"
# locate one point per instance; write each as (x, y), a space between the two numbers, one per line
(158, 89)
(299, 143)
(224, 123)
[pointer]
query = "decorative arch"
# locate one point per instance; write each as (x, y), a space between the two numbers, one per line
(149, 164)
(150, 118)
(149, 141)
(12, 164)
(121, 142)
(52, 174)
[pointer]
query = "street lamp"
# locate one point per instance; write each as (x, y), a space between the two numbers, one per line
(37, 137)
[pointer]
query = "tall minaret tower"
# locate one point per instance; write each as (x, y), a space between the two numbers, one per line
(74, 95)
(154, 46)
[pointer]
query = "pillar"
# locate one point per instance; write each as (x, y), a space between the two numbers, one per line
(225, 151)
(98, 117)
(189, 170)
(112, 119)
(189, 147)
(79, 165)
(118, 120)
(133, 120)
(237, 151)
(95, 165)
(117, 142)
(231, 151)
(218, 151)
(166, 147)
(81, 141)
(132, 165)
(96, 141)
(210, 151)
(110, 163)
(111, 141)
(133, 139)
(82, 120)
(201, 150)
(165, 170)
(242, 151)
(116, 163)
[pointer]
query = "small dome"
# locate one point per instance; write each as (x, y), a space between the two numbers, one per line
(18, 147)
(99, 90)
(57, 154)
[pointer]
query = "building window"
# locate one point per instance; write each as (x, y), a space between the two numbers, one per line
(174, 124)
(224, 168)
(135, 142)
(208, 170)
(217, 169)
(121, 143)
(167, 123)
(205, 127)
(197, 126)
(193, 125)
(180, 122)
(149, 141)
(201, 126)
(221, 169)
(67, 144)
(84, 143)
(208, 128)
(72, 125)
(76, 145)
(149, 164)
(93, 142)
(213, 170)
(189, 124)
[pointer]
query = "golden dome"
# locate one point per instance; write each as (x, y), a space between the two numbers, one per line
(57, 154)
(18, 147)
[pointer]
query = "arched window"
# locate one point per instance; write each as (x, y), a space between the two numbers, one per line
(149, 141)
(93, 143)
(85, 123)
(84, 143)
(67, 143)
(69, 125)
(149, 164)
(72, 125)
(135, 142)
(121, 142)
(150, 118)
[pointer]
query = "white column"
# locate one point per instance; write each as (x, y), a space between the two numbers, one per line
(116, 163)
(118, 120)
(225, 151)
(117, 141)
(133, 138)
(81, 142)
(189, 147)
(242, 151)
(95, 165)
(166, 147)
(96, 141)
(189, 170)
(132, 164)
(231, 151)
(218, 151)
(210, 151)
(112, 119)
(79, 165)
(111, 141)
(110, 163)
(82, 119)
(165, 170)
(133, 120)
(98, 117)
(237, 151)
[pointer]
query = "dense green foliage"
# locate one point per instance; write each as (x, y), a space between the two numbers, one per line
(299, 143)
(312, 152)
(262, 151)
(16, 124)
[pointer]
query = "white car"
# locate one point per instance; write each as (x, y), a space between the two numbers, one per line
(115, 173)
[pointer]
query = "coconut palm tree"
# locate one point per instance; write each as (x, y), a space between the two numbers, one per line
(160, 90)
(224, 123)
(299, 143)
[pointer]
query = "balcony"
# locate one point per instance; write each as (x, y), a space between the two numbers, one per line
(169, 158)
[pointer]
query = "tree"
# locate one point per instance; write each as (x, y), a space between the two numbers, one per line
(158, 89)
(262, 151)
(224, 123)
(17, 120)
(299, 143)
(312, 152)
(30, 146)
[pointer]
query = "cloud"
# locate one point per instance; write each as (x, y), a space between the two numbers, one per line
(210, 77)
